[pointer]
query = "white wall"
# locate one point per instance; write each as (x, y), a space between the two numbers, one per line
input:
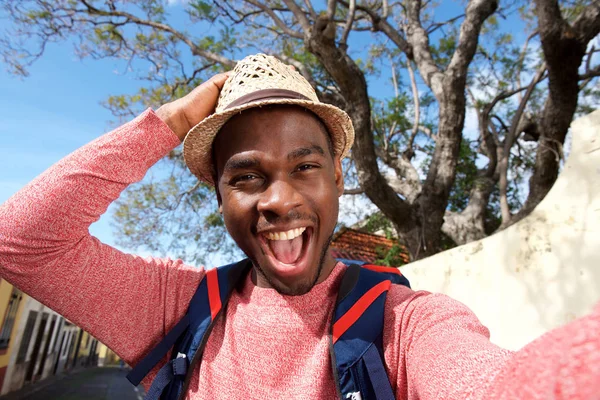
(543, 271)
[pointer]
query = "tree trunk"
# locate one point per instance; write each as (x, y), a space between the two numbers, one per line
(442, 169)
(564, 47)
(418, 224)
(469, 225)
(353, 86)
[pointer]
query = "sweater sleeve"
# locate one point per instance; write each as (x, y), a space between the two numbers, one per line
(441, 349)
(562, 364)
(46, 250)
(443, 352)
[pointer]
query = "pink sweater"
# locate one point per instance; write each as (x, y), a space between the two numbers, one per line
(269, 346)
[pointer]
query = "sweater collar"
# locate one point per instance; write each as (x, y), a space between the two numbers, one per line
(320, 294)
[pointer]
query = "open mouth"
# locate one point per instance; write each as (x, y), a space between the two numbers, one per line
(287, 250)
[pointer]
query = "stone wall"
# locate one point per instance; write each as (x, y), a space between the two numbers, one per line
(541, 272)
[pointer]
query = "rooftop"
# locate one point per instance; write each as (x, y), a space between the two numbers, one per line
(353, 244)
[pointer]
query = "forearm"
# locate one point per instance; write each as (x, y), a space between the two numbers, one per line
(58, 206)
(46, 249)
(447, 350)
(448, 355)
(562, 364)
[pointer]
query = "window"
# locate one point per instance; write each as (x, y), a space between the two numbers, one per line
(26, 338)
(9, 319)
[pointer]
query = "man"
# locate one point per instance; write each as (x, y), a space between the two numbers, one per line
(273, 153)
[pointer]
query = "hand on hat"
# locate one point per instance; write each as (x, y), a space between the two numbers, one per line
(183, 114)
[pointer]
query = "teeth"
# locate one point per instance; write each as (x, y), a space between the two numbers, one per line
(288, 235)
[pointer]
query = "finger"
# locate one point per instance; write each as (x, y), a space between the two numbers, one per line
(219, 79)
(212, 86)
(201, 102)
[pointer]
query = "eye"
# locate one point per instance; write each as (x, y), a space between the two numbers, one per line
(307, 167)
(243, 179)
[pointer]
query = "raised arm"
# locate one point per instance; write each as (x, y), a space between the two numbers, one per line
(46, 250)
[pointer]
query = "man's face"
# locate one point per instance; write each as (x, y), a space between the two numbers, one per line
(278, 185)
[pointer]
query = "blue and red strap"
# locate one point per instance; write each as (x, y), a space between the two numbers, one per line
(354, 313)
(214, 297)
(381, 268)
(138, 373)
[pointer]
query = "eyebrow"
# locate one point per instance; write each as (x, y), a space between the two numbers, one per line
(240, 163)
(305, 151)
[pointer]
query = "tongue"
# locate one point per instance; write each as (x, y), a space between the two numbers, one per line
(287, 251)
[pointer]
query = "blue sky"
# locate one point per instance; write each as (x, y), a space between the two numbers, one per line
(57, 109)
(51, 113)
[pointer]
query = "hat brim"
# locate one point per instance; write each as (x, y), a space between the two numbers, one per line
(197, 145)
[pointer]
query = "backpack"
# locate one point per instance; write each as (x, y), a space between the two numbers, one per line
(356, 334)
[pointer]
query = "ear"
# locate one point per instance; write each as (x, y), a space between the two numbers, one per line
(339, 175)
(219, 200)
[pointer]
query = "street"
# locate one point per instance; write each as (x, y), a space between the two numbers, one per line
(88, 384)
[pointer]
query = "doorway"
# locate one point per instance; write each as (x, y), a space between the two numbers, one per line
(40, 370)
(36, 347)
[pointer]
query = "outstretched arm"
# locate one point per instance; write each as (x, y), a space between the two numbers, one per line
(446, 353)
(562, 364)
(126, 301)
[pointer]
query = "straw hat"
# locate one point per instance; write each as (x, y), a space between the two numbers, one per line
(256, 81)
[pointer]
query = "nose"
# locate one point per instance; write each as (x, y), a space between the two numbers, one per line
(279, 198)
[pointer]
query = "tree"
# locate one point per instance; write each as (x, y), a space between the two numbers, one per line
(435, 183)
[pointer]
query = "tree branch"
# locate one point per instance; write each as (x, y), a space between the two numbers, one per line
(417, 106)
(222, 6)
(477, 12)
(311, 9)
(433, 27)
(407, 181)
(331, 6)
(508, 143)
(590, 74)
(349, 21)
(428, 132)
(353, 86)
(380, 24)
(354, 191)
(503, 96)
(300, 16)
(521, 61)
(587, 25)
(564, 48)
(280, 24)
(165, 28)
(419, 41)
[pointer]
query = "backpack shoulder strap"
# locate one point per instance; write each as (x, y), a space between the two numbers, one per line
(357, 335)
(188, 336)
(392, 273)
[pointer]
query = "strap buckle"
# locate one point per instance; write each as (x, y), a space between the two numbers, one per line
(180, 365)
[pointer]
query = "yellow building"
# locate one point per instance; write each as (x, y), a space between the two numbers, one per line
(11, 308)
(106, 356)
(36, 342)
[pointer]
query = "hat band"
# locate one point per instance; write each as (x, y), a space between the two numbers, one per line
(266, 94)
